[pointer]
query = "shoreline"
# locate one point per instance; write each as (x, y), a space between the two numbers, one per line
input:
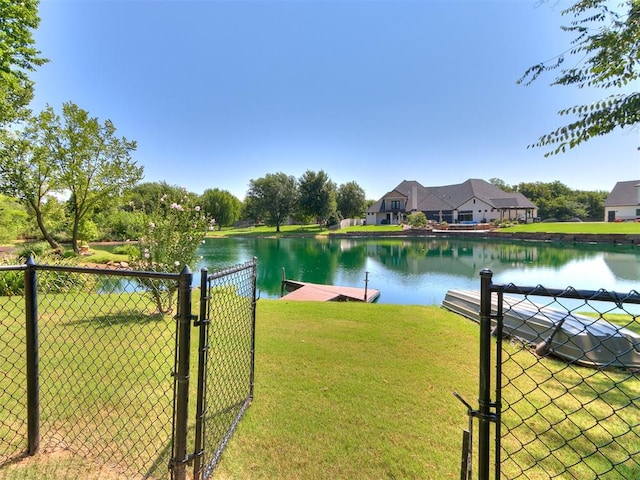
(604, 238)
(590, 238)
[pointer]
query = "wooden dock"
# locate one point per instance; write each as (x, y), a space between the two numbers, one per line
(305, 291)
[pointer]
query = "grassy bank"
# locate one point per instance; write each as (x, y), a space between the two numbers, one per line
(623, 228)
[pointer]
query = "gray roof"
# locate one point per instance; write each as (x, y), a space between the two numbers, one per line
(450, 197)
(624, 193)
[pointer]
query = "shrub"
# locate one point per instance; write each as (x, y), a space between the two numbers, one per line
(11, 281)
(35, 250)
(129, 249)
(417, 220)
(172, 236)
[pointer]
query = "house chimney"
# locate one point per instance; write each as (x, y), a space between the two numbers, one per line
(414, 198)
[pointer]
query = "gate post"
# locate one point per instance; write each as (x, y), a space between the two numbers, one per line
(180, 456)
(203, 350)
(484, 398)
(33, 374)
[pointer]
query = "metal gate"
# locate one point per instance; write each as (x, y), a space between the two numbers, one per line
(561, 397)
(225, 367)
(92, 370)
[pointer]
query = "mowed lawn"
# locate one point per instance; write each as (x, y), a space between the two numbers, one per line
(342, 390)
(355, 391)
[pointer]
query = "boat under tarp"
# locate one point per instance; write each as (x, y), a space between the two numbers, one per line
(573, 337)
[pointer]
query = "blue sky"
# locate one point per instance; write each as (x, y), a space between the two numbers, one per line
(217, 93)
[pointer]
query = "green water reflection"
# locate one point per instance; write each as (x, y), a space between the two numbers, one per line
(420, 271)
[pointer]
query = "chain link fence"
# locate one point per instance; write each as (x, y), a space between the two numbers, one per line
(13, 414)
(566, 373)
(106, 357)
(570, 395)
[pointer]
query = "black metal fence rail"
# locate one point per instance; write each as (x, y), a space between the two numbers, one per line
(94, 378)
(566, 396)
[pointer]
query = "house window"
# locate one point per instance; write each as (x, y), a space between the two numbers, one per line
(637, 211)
(395, 204)
(465, 216)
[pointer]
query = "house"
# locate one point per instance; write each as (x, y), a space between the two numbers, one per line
(623, 203)
(471, 201)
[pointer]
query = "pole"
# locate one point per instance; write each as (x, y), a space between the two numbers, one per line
(366, 284)
(182, 375)
(33, 385)
(484, 399)
(203, 349)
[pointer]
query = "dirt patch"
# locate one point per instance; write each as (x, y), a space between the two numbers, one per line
(60, 464)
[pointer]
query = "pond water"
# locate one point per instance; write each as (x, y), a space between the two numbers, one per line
(421, 270)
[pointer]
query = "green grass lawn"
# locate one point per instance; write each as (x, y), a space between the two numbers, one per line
(355, 391)
(311, 230)
(577, 227)
(266, 231)
(342, 391)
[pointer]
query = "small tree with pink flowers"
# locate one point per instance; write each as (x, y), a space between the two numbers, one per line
(172, 236)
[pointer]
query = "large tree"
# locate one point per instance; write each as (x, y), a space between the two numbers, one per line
(18, 57)
(273, 197)
(317, 195)
(95, 165)
(27, 171)
(221, 205)
(605, 53)
(351, 200)
(74, 155)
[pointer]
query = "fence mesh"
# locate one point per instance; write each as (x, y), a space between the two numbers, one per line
(13, 396)
(570, 394)
(106, 358)
(228, 378)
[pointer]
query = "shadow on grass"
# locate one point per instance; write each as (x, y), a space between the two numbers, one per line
(129, 318)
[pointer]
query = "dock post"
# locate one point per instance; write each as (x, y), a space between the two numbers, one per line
(366, 285)
(282, 283)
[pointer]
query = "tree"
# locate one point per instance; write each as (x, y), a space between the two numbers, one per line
(18, 57)
(317, 195)
(351, 200)
(13, 219)
(173, 233)
(607, 52)
(273, 197)
(501, 184)
(95, 166)
(221, 205)
(27, 171)
(556, 200)
(144, 196)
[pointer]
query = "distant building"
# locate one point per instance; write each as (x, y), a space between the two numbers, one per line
(471, 201)
(623, 203)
